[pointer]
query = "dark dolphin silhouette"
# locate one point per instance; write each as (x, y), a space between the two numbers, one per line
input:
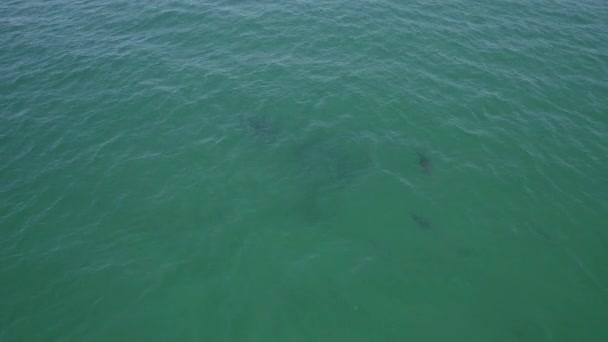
(421, 221)
(425, 163)
(262, 128)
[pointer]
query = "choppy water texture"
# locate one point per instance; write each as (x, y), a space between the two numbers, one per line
(304, 170)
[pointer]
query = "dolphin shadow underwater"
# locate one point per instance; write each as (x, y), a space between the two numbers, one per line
(425, 162)
(262, 128)
(422, 222)
(336, 160)
(324, 168)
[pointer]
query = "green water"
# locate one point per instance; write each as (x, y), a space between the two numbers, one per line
(304, 170)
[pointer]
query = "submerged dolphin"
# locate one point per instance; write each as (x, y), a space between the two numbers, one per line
(421, 221)
(262, 128)
(424, 162)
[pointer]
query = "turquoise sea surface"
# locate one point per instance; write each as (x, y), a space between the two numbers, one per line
(290, 171)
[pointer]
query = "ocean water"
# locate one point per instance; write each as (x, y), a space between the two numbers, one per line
(322, 170)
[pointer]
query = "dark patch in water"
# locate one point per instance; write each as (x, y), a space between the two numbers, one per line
(421, 222)
(524, 330)
(262, 128)
(544, 234)
(337, 164)
(425, 163)
(311, 207)
(464, 252)
(341, 167)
